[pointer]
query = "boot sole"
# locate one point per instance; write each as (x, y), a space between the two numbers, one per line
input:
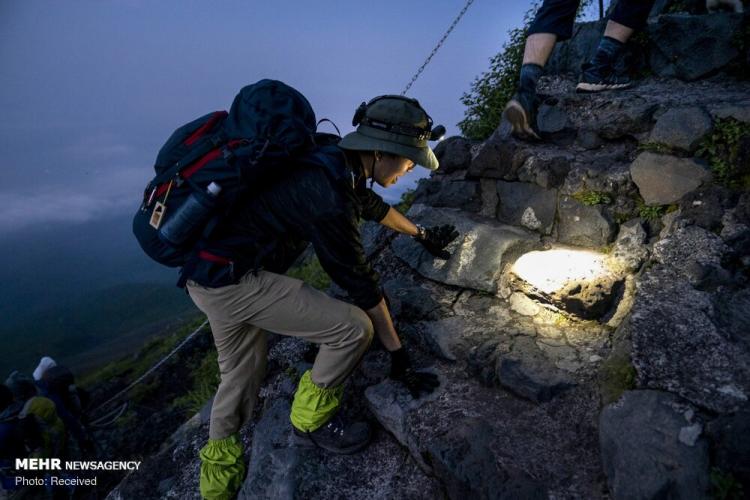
(601, 87)
(519, 121)
(307, 442)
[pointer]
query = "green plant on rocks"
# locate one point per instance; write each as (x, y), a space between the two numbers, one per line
(724, 485)
(677, 7)
(651, 212)
(133, 366)
(622, 217)
(722, 150)
(591, 198)
(616, 375)
(407, 200)
(206, 379)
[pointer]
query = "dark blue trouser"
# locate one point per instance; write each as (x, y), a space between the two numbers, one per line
(558, 16)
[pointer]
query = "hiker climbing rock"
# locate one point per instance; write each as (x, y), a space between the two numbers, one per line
(553, 23)
(235, 277)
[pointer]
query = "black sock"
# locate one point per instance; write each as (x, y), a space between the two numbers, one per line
(607, 52)
(530, 74)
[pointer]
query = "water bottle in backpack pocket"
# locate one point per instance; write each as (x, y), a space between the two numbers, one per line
(192, 216)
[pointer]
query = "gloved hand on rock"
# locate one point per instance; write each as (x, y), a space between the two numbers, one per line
(436, 238)
(417, 383)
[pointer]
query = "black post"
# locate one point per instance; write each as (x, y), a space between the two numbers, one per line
(601, 9)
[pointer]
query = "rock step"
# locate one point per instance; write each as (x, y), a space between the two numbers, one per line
(280, 469)
(477, 441)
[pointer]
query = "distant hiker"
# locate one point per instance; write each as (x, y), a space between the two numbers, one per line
(57, 383)
(11, 433)
(553, 23)
(50, 443)
(44, 364)
(239, 282)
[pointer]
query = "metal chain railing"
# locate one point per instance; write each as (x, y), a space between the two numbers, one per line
(437, 47)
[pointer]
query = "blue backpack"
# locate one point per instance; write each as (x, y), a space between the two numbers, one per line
(208, 164)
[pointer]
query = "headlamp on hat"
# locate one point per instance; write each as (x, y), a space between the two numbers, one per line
(422, 134)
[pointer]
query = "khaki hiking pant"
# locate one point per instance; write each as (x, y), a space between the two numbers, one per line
(280, 304)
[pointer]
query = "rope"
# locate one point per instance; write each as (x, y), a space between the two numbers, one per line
(108, 419)
(437, 47)
(153, 368)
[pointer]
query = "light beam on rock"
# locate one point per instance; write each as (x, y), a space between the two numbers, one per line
(550, 270)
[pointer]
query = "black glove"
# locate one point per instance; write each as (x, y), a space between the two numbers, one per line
(417, 382)
(436, 238)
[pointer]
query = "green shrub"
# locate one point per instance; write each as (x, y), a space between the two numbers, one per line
(647, 212)
(650, 212)
(591, 198)
(407, 199)
(206, 379)
(722, 150)
(312, 273)
(622, 217)
(135, 365)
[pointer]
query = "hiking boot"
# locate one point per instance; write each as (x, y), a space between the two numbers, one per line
(521, 114)
(336, 436)
(598, 79)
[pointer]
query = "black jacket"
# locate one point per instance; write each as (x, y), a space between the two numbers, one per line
(317, 200)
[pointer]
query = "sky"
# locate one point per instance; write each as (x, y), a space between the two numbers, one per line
(90, 89)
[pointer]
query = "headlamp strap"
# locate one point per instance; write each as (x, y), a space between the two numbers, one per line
(396, 128)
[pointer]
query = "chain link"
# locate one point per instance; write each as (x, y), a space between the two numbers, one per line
(437, 47)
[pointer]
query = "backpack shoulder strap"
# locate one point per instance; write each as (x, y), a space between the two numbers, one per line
(205, 146)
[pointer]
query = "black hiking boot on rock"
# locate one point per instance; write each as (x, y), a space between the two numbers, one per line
(521, 114)
(598, 79)
(337, 436)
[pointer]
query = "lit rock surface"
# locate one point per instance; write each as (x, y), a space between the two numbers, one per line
(577, 281)
(478, 255)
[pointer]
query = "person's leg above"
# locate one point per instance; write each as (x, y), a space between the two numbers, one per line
(520, 110)
(599, 73)
(553, 22)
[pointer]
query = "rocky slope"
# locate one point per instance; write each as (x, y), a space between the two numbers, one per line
(591, 329)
